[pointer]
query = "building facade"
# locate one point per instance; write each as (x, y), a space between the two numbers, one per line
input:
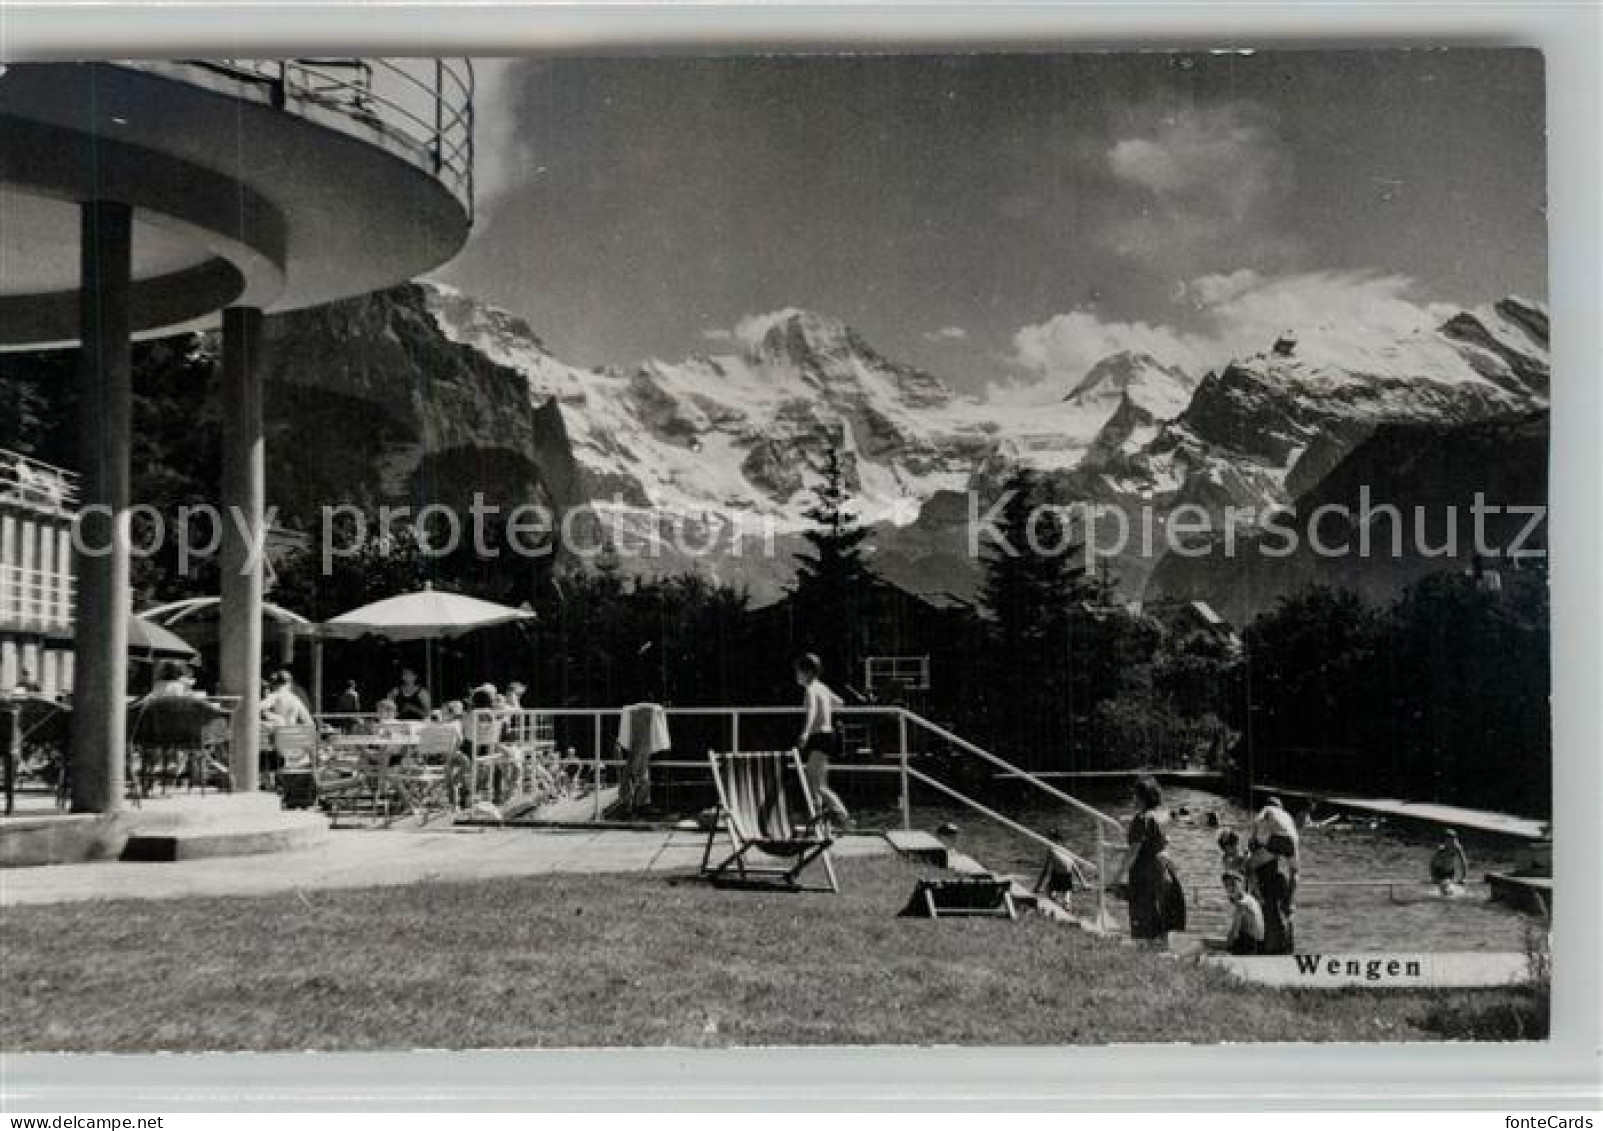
(37, 503)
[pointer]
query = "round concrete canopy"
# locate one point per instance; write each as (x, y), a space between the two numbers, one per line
(235, 201)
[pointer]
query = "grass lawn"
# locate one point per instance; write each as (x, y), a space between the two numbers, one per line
(638, 960)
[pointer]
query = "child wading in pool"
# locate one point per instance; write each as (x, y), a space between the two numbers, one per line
(1246, 918)
(819, 742)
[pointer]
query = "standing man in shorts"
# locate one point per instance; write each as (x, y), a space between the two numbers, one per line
(818, 740)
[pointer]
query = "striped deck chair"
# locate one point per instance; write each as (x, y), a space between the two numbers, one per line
(765, 808)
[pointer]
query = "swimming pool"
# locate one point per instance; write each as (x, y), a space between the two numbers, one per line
(1333, 913)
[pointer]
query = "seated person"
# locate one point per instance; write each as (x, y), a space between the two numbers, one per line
(495, 760)
(452, 715)
(383, 715)
(411, 698)
(1449, 866)
(1245, 935)
(282, 707)
(169, 683)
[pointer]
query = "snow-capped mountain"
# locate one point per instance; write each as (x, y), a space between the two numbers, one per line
(1268, 426)
(746, 430)
(739, 435)
(742, 432)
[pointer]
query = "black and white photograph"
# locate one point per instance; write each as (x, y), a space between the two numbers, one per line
(795, 548)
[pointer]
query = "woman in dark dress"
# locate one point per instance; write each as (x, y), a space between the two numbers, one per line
(411, 698)
(1157, 900)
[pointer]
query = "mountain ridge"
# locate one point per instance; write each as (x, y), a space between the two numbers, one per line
(738, 433)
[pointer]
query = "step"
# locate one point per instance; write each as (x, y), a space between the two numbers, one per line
(251, 836)
(251, 820)
(916, 845)
(1528, 893)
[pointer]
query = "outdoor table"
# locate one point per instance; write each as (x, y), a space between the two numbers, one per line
(372, 741)
(376, 755)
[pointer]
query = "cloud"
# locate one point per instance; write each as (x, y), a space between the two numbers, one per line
(717, 334)
(1067, 345)
(1316, 303)
(1214, 290)
(501, 150)
(1354, 319)
(946, 334)
(1199, 180)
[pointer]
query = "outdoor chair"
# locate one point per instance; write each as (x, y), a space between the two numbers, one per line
(502, 763)
(178, 737)
(295, 752)
(768, 814)
(345, 784)
(296, 748)
(424, 777)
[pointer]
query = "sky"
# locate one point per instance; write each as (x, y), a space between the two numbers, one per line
(1003, 221)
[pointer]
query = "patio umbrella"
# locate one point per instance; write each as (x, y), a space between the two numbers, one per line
(148, 640)
(201, 621)
(425, 614)
(206, 609)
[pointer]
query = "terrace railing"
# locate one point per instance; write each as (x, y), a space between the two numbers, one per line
(36, 484)
(425, 106)
(898, 741)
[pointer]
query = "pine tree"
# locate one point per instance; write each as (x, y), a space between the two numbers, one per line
(1033, 577)
(833, 578)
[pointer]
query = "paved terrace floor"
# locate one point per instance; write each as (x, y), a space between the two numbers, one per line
(359, 858)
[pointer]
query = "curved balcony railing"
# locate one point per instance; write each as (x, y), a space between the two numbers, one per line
(36, 484)
(424, 106)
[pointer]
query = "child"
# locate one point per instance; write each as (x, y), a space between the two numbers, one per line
(1246, 921)
(384, 718)
(1060, 875)
(818, 738)
(1230, 854)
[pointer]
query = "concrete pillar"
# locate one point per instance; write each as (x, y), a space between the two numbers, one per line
(99, 709)
(244, 501)
(317, 678)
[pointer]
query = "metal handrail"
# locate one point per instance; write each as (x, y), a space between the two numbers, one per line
(597, 761)
(1000, 818)
(373, 92)
(1023, 775)
(1011, 769)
